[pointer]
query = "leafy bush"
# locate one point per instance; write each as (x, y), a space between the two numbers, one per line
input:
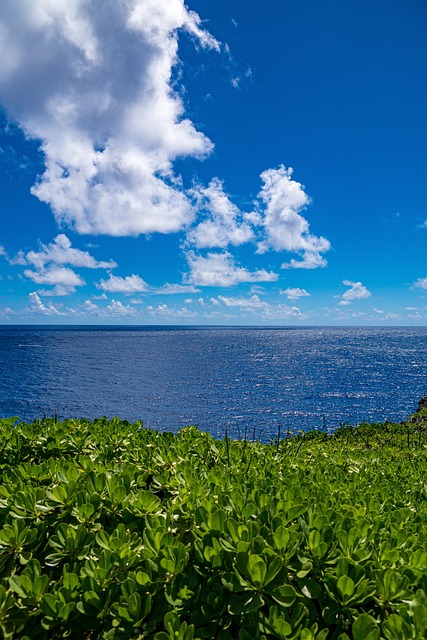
(109, 530)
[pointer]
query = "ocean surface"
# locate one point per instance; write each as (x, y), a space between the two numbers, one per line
(252, 379)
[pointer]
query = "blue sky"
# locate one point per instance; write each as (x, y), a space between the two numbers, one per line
(213, 162)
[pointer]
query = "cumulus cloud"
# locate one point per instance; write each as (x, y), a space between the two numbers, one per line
(171, 289)
(294, 293)
(282, 312)
(116, 308)
(356, 291)
(164, 311)
(37, 306)
(421, 283)
(223, 222)
(49, 269)
(55, 275)
(129, 284)
(61, 251)
(285, 228)
(253, 302)
(264, 309)
(113, 310)
(220, 270)
(92, 81)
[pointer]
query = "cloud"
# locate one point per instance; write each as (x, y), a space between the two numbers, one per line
(129, 284)
(220, 270)
(113, 310)
(2, 251)
(95, 88)
(294, 293)
(37, 306)
(285, 228)
(265, 309)
(421, 283)
(247, 303)
(116, 308)
(283, 312)
(309, 261)
(61, 251)
(55, 275)
(224, 222)
(171, 289)
(357, 291)
(163, 311)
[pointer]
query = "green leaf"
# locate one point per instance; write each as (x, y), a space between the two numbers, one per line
(345, 586)
(282, 628)
(365, 628)
(281, 537)
(257, 570)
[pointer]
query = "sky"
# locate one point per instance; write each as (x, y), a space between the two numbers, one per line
(213, 162)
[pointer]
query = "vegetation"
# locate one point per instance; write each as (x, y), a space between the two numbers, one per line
(109, 530)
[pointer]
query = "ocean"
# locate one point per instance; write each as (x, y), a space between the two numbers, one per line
(244, 379)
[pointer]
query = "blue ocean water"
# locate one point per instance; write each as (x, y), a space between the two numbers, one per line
(239, 378)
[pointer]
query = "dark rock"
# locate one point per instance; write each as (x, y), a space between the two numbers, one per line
(422, 404)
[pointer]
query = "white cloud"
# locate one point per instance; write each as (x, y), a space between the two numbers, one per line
(129, 284)
(220, 270)
(283, 312)
(421, 283)
(37, 306)
(116, 308)
(294, 293)
(113, 310)
(248, 303)
(309, 261)
(285, 228)
(61, 251)
(356, 291)
(224, 222)
(55, 275)
(171, 289)
(94, 86)
(19, 259)
(2, 251)
(163, 311)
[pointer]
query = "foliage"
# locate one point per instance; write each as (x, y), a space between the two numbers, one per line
(109, 530)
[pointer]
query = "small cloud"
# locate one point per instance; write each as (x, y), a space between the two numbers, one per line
(285, 228)
(55, 275)
(164, 311)
(116, 308)
(356, 291)
(421, 283)
(129, 284)
(220, 270)
(61, 252)
(37, 306)
(295, 293)
(248, 303)
(171, 289)
(222, 221)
